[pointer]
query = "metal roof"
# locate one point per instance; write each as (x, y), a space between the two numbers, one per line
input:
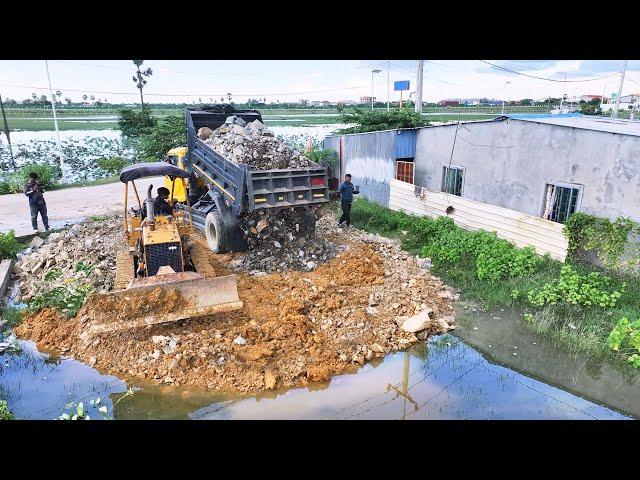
(576, 120)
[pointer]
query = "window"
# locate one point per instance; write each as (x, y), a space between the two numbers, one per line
(404, 170)
(561, 200)
(452, 180)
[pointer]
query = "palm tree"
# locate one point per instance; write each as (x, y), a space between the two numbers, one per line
(140, 80)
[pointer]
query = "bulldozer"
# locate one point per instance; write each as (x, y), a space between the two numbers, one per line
(160, 261)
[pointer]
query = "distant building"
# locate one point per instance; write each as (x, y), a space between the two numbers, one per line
(449, 103)
(589, 98)
(346, 102)
(320, 103)
(626, 103)
(367, 99)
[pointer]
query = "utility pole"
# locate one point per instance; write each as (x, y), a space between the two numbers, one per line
(55, 119)
(505, 95)
(617, 105)
(388, 96)
(372, 73)
(419, 87)
(6, 132)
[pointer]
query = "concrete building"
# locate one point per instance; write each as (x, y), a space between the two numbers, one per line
(541, 165)
(367, 100)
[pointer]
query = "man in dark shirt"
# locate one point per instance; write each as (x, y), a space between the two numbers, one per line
(160, 204)
(34, 190)
(346, 191)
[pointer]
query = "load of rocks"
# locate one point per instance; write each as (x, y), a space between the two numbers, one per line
(281, 241)
(84, 252)
(252, 144)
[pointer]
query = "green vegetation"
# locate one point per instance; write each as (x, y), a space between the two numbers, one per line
(9, 246)
(5, 413)
(134, 124)
(67, 298)
(608, 239)
(571, 303)
(327, 158)
(87, 183)
(168, 133)
(76, 411)
(371, 120)
(14, 182)
(625, 338)
(112, 165)
(98, 218)
(12, 316)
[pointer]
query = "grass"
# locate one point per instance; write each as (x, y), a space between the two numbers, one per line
(5, 413)
(36, 125)
(12, 316)
(86, 183)
(578, 327)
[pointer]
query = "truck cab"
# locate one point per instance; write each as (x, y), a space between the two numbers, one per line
(176, 157)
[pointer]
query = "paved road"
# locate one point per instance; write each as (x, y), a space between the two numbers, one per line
(69, 205)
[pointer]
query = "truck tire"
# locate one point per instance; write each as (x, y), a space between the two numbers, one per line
(215, 232)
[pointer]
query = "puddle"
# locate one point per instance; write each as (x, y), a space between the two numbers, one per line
(502, 337)
(442, 379)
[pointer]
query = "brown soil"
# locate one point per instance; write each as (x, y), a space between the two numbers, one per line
(299, 327)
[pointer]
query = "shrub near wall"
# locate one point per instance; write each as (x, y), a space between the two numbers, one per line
(569, 302)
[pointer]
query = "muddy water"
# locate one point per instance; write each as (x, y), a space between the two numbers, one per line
(442, 379)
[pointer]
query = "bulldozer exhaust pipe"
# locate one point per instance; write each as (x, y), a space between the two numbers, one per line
(148, 203)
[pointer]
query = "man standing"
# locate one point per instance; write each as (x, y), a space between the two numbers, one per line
(346, 191)
(34, 190)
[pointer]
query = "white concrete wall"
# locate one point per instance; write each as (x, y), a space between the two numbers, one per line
(521, 229)
(508, 164)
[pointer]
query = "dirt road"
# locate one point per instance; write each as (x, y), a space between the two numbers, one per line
(69, 205)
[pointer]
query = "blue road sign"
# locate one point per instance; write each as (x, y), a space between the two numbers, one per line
(401, 85)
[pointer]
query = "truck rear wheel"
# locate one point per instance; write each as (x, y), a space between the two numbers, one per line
(215, 232)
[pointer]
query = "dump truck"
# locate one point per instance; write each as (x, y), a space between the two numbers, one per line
(221, 191)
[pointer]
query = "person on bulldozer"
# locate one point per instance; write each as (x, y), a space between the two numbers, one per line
(160, 204)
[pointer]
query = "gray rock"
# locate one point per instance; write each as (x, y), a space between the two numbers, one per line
(36, 242)
(311, 265)
(239, 340)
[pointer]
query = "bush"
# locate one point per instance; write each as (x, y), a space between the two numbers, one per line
(9, 246)
(133, 123)
(571, 287)
(625, 338)
(112, 165)
(327, 158)
(169, 133)
(5, 413)
(14, 182)
(370, 121)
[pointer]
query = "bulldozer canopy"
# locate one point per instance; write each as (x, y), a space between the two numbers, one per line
(143, 170)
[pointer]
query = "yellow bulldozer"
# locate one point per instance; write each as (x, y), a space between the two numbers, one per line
(161, 274)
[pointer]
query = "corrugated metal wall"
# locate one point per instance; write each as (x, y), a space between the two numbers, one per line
(522, 229)
(406, 143)
(370, 159)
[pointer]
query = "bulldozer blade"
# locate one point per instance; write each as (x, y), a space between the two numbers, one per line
(193, 294)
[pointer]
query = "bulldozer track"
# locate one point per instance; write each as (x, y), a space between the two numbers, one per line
(200, 257)
(124, 269)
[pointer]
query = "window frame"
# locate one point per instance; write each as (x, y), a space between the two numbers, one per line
(443, 178)
(575, 186)
(413, 170)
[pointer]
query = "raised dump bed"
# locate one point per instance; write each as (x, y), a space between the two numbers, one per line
(234, 189)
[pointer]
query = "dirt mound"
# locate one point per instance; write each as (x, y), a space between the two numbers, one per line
(294, 328)
(125, 306)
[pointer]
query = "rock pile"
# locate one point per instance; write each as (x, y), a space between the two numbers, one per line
(252, 144)
(282, 241)
(85, 251)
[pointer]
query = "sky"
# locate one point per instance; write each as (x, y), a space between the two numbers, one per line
(333, 80)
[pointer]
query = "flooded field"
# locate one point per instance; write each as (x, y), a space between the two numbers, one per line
(444, 378)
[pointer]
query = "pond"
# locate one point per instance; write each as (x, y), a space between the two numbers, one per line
(444, 378)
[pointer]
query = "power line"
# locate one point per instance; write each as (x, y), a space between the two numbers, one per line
(547, 79)
(170, 71)
(185, 95)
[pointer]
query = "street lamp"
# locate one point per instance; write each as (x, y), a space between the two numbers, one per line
(505, 95)
(372, 73)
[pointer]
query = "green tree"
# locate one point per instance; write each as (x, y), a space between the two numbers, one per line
(140, 79)
(135, 124)
(168, 133)
(371, 121)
